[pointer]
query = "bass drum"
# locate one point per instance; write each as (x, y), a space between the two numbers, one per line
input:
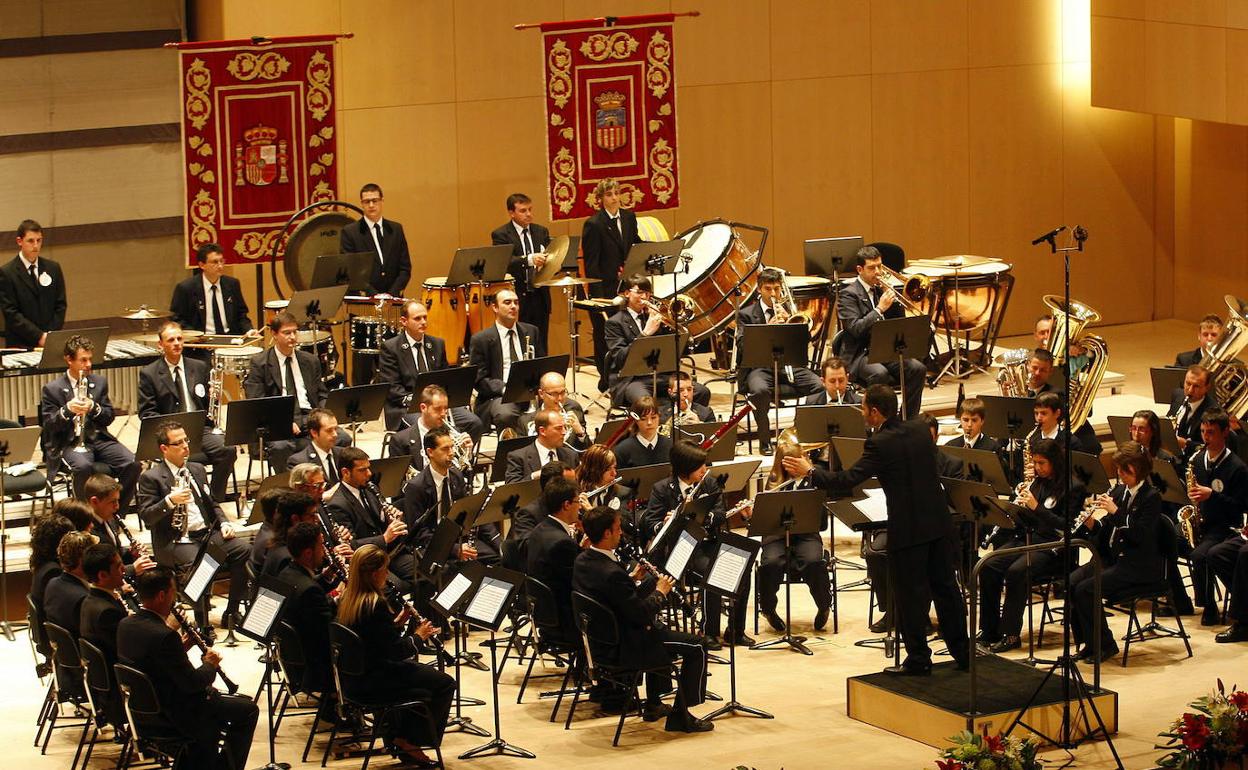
(716, 263)
(314, 237)
(448, 315)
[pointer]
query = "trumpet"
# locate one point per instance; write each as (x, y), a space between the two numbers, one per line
(180, 518)
(529, 353)
(461, 454)
(678, 309)
(80, 420)
(788, 304)
(213, 409)
(914, 289)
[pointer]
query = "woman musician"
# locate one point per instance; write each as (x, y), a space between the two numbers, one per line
(391, 672)
(596, 476)
(1145, 430)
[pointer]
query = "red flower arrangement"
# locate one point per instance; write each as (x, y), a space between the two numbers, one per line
(1214, 735)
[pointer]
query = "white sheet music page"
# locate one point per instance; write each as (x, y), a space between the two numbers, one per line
(729, 567)
(679, 557)
(455, 589)
(202, 576)
(263, 611)
(875, 507)
(487, 605)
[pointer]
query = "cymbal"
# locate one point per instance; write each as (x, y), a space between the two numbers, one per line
(154, 337)
(567, 280)
(145, 313)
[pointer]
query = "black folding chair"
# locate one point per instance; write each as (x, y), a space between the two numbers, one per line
(1153, 592)
(150, 733)
(68, 686)
(101, 691)
(543, 609)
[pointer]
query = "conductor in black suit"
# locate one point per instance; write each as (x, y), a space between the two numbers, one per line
(384, 239)
(526, 462)
(528, 243)
(864, 302)
(493, 350)
(1207, 335)
(211, 302)
(605, 240)
(176, 383)
(189, 703)
(32, 291)
(921, 537)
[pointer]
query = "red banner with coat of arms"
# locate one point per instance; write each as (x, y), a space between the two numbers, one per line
(611, 113)
(258, 140)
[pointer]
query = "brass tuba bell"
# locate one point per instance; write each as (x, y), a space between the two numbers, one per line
(1070, 321)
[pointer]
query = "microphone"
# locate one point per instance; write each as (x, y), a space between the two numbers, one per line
(1048, 236)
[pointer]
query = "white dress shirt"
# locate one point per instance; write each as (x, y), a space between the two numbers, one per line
(301, 392)
(372, 233)
(210, 326)
(194, 517)
(504, 337)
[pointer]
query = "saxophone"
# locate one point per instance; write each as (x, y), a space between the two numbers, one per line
(213, 409)
(80, 420)
(1189, 515)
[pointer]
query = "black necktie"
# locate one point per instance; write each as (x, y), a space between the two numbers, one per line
(177, 387)
(34, 275)
(290, 380)
(768, 313)
(525, 242)
(642, 320)
(552, 456)
(216, 314)
(444, 505)
(422, 364)
(377, 230)
(511, 343)
(876, 294)
(619, 226)
(331, 473)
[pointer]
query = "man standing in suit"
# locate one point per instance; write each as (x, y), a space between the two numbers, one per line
(493, 350)
(1207, 335)
(188, 701)
(101, 612)
(646, 446)
(551, 550)
(211, 302)
(921, 536)
(357, 507)
(605, 240)
(526, 462)
(32, 291)
(552, 394)
(864, 302)
(528, 243)
(383, 238)
(1187, 406)
(176, 383)
(177, 485)
(59, 410)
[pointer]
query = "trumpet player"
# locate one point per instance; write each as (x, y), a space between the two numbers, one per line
(864, 302)
(427, 500)
(680, 396)
(549, 445)
(75, 412)
(434, 413)
(1221, 496)
(103, 494)
(177, 488)
(176, 383)
(637, 318)
(552, 394)
(492, 351)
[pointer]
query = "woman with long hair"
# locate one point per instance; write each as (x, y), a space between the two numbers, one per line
(391, 671)
(1145, 430)
(596, 470)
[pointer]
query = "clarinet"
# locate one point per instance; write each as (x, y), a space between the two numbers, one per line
(396, 596)
(193, 634)
(336, 563)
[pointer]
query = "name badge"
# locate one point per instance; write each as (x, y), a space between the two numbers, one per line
(199, 389)
(1049, 502)
(1216, 485)
(45, 280)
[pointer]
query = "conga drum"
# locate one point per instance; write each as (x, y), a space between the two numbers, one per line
(448, 316)
(272, 308)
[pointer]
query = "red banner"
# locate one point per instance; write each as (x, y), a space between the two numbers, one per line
(611, 113)
(258, 140)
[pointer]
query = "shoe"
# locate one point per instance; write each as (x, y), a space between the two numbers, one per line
(774, 620)
(882, 625)
(1107, 652)
(656, 711)
(1005, 644)
(1210, 617)
(1236, 633)
(922, 669)
(688, 724)
(764, 449)
(740, 640)
(821, 618)
(712, 643)
(963, 664)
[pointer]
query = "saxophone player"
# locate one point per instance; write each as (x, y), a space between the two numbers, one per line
(1221, 493)
(175, 383)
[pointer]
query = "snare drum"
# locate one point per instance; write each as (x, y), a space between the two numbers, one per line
(368, 332)
(718, 262)
(272, 308)
(235, 363)
(476, 319)
(448, 316)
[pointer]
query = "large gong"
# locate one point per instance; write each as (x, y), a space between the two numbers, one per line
(316, 236)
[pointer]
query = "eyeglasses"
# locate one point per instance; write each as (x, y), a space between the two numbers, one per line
(369, 201)
(183, 442)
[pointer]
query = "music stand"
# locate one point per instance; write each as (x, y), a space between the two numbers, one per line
(816, 424)
(1166, 479)
(963, 498)
(653, 258)
(263, 613)
(723, 450)
(352, 270)
(848, 449)
(525, 377)
(449, 601)
(1012, 419)
(866, 519)
(17, 443)
(357, 405)
(609, 429)
(831, 257)
(441, 548)
(670, 545)
(642, 478)
(981, 466)
(498, 471)
(727, 572)
(734, 476)
(893, 338)
(1120, 427)
(267, 419)
(1090, 472)
(389, 474)
(311, 305)
(276, 481)
(652, 356)
(1166, 380)
(772, 346)
(457, 381)
(148, 448)
(784, 514)
(53, 357)
(479, 265)
(506, 499)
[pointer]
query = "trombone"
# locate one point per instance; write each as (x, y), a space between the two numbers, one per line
(914, 289)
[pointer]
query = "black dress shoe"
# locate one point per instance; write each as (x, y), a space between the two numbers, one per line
(712, 643)
(1107, 652)
(908, 670)
(882, 625)
(740, 640)
(821, 618)
(1210, 617)
(775, 621)
(688, 723)
(653, 712)
(1236, 633)
(1005, 644)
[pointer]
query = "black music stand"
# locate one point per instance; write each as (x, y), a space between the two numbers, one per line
(641, 479)
(653, 258)
(893, 339)
(1166, 380)
(276, 481)
(652, 356)
(498, 471)
(148, 448)
(1010, 419)
(981, 466)
(479, 265)
(357, 405)
(450, 599)
(1005, 513)
(263, 419)
(1120, 427)
(848, 449)
(815, 424)
(727, 573)
(311, 305)
(962, 495)
(1090, 472)
(53, 357)
(525, 377)
(351, 270)
(832, 258)
(457, 381)
(865, 520)
(784, 514)
(673, 544)
(772, 346)
(1166, 478)
(259, 624)
(609, 429)
(14, 443)
(441, 548)
(506, 499)
(389, 474)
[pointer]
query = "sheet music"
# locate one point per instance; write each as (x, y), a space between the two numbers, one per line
(667, 523)
(729, 566)
(455, 589)
(201, 577)
(875, 507)
(264, 609)
(487, 605)
(678, 559)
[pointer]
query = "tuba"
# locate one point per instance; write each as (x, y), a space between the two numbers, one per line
(1227, 374)
(1083, 384)
(1012, 379)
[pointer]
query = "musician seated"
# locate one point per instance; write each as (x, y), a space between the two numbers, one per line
(971, 416)
(1048, 412)
(407, 355)
(267, 502)
(322, 449)
(552, 393)
(644, 641)
(493, 350)
(211, 302)
(1229, 561)
(1208, 332)
(189, 703)
(75, 412)
(62, 599)
(103, 495)
(1126, 527)
(357, 506)
(527, 461)
(1000, 624)
(864, 302)
(690, 412)
(284, 370)
(646, 446)
(177, 383)
(391, 672)
(690, 474)
(596, 476)
(1221, 494)
(795, 381)
(1188, 406)
(524, 520)
(179, 486)
(807, 554)
(1043, 330)
(295, 508)
(427, 499)
(836, 387)
(309, 611)
(100, 613)
(1145, 430)
(947, 466)
(434, 413)
(1040, 365)
(551, 549)
(46, 533)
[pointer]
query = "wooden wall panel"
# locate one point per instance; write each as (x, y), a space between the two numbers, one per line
(494, 61)
(244, 18)
(1185, 71)
(1210, 13)
(591, 9)
(1118, 59)
(1018, 32)
(729, 43)
(88, 88)
(79, 17)
(918, 35)
(1125, 9)
(811, 40)
(1236, 83)
(29, 193)
(24, 83)
(107, 184)
(1237, 14)
(420, 31)
(140, 271)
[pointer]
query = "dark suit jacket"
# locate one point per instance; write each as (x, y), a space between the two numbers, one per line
(265, 377)
(100, 615)
(629, 453)
(45, 574)
(158, 396)
(1223, 510)
(518, 267)
(397, 366)
(665, 497)
(1190, 430)
(485, 351)
(749, 314)
(58, 422)
(986, 443)
(857, 315)
(146, 643)
(309, 455)
(154, 486)
(420, 497)
(1189, 357)
(408, 442)
(569, 405)
(603, 579)
(550, 554)
(619, 331)
(901, 455)
(525, 461)
(1131, 538)
(392, 277)
(308, 610)
(366, 526)
(605, 248)
(62, 601)
(31, 309)
(191, 309)
(850, 397)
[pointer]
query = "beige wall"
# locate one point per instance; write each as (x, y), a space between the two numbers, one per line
(948, 126)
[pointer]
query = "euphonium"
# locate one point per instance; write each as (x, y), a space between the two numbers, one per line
(1189, 515)
(1070, 322)
(1012, 379)
(789, 303)
(1226, 373)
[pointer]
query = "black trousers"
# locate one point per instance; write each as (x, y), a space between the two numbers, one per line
(410, 680)
(691, 687)
(890, 374)
(120, 461)
(494, 412)
(1202, 576)
(215, 454)
(758, 382)
(807, 561)
(233, 715)
(713, 599)
(535, 308)
(1006, 619)
(1229, 560)
(237, 552)
(1087, 618)
(922, 575)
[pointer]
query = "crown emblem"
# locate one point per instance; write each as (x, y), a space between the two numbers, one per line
(609, 100)
(257, 134)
